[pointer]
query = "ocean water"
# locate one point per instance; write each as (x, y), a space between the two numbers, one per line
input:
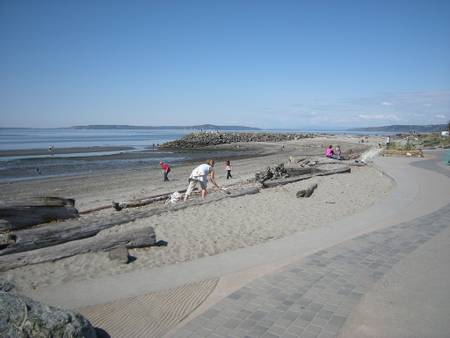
(14, 139)
(17, 167)
(38, 165)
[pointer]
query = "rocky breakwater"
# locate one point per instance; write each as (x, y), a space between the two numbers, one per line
(204, 139)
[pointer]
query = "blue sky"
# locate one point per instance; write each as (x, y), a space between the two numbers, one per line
(270, 64)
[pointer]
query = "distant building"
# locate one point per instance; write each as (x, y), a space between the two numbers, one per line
(445, 133)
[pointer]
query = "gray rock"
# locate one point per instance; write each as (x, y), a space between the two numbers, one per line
(22, 317)
(203, 139)
(6, 286)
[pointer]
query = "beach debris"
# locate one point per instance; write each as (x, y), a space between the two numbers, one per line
(21, 316)
(7, 239)
(104, 241)
(272, 173)
(16, 215)
(6, 286)
(144, 201)
(225, 190)
(70, 230)
(175, 197)
(307, 192)
(119, 254)
(316, 172)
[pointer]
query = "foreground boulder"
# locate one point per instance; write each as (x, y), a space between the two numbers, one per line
(23, 317)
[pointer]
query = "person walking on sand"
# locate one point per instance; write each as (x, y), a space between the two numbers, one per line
(166, 170)
(228, 169)
(200, 175)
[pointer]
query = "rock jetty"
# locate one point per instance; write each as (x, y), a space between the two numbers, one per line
(203, 139)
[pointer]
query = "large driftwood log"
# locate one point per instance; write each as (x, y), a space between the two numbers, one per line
(18, 215)
(133, 203)
(143, 201)
(316, 172)
(342, 170)
(284, 181)
(101, 242)
(307, 192)
(70, 230)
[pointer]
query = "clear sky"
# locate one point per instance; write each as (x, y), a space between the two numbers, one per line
(271, 64)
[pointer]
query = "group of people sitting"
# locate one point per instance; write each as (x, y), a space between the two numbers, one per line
(334, 153)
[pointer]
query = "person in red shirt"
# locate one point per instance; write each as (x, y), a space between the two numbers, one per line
(166, 169)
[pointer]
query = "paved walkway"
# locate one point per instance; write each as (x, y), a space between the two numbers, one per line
(315, 296)
(347, 290)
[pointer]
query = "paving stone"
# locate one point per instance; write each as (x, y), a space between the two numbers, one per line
(269, 335)
(314, 296)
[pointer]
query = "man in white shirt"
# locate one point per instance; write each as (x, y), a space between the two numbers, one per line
(200, 175)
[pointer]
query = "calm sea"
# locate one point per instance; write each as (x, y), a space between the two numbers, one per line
(13, 139)
(35, 165)
(16, 167)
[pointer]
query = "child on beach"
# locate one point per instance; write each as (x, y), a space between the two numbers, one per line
(200, 175)
(166, 170)
(329, 152)
(228, 169)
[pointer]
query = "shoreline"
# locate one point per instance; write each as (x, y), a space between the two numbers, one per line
(203, 230)
(58, 151)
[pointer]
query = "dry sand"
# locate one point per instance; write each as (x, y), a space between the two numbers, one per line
(207, 229)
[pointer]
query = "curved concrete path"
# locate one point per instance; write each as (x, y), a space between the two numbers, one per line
(392, 282)
(422, 187)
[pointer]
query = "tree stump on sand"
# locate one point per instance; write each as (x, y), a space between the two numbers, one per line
(119, 254)
(306, 192)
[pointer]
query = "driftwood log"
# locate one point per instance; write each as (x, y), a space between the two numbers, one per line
(101, 242)
(71, 230)
(307, 192)
(18, 215)
(143, 201)
(317, 172)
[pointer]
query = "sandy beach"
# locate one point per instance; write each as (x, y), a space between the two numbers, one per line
(207, 229)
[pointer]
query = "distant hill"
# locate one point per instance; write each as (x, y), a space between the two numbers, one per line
(404, 128)
(197, 127)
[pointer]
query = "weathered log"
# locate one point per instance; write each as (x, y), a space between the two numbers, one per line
(299, 171)
(18, 215)
(343, 170)
(101, 242)
(6, 239)
(62, 232)
(284, 181)
(307, 192)
(39, 201)
(316, 172)
(139, 203)
(24, 217)
(119, 254)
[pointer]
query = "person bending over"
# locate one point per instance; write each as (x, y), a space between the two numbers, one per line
(200, 176)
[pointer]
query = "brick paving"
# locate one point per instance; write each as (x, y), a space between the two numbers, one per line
(315, 296)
